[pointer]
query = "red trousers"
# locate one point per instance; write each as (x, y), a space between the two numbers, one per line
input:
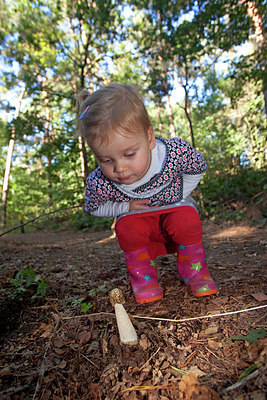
(160, 230)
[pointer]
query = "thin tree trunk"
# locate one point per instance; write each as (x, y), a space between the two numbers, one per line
(170, 114)
(260, 39)
(159, 119)
(83, 158)
(9, 162)
(165, 83)
(187, 110)
(48, 137)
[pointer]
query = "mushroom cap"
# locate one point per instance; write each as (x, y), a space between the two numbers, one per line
(116, 297)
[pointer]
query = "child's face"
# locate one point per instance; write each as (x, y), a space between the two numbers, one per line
(125, 159)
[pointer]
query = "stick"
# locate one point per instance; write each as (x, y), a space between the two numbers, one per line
(236, 385)
(172, 320)
(39, 216)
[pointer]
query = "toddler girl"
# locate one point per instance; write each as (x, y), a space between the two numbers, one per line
(146, 183)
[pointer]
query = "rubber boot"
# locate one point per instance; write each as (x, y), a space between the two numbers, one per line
(143, 276)
(193, 269)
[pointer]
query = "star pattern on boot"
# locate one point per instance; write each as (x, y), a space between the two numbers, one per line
(143, 256)
(147, 277)
(182, 258)
(204, 288)
(196, 266)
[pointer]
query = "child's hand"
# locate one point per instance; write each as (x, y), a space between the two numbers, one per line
(138, 204)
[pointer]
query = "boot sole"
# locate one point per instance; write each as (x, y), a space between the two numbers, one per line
(208, 293)
(150, 299)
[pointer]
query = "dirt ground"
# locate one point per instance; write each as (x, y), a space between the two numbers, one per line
(65, 343)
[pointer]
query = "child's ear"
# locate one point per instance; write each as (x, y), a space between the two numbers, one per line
(151, 137)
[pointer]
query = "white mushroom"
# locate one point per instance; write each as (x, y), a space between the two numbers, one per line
(126, 329)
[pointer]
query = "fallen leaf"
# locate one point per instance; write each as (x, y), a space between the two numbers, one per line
(84, 337)
(58, 342)
(46, 330)
(212, 328)
(191, 389)
(144, 343)
(196, 371)
(213, 345)
(62, 364)
(252, 336)
(259, 296)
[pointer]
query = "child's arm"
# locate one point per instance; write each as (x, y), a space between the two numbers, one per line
(110, 209)
(190, 182)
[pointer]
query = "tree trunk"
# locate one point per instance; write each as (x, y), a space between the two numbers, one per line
(260, 39)
(9, 162)
(83, 158)
(170, 114)
(188, 116)
(159, 132)
(48, 137)
(165, 82)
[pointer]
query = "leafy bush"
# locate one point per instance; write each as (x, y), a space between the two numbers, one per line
(26, 278)
(225, 196)
(80, 220)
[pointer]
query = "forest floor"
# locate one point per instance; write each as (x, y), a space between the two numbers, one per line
(64, 345)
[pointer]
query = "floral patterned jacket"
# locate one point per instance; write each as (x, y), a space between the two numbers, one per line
(167, 186)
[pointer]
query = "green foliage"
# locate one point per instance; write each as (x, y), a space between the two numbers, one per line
(85, 306)
(80, 220)
(252, 336)
(55, 48)
(26, 278)
(101, 288)
(249, 371)
(227, 195)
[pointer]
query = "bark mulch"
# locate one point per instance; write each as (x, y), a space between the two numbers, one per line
(62, 343)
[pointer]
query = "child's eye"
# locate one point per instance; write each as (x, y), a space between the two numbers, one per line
(105, 161)
(130, 155)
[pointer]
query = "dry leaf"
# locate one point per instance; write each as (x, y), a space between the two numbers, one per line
(58, 342)
(196, 371)
(259, 296)
(191, 389)
(144, 343)
(84, 337)
(211, 329)
(213, 345)
(46, 330)
(62, 364)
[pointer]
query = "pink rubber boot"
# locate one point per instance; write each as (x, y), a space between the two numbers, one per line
(143, 276)
(193, 269)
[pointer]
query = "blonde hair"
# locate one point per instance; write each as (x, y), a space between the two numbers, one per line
(116, 107)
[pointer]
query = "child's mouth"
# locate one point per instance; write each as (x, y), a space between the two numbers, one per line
(123, 179)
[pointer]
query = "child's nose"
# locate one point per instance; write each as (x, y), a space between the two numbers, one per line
(119, 166)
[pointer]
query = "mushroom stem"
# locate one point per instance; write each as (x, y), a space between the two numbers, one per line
(126, 329)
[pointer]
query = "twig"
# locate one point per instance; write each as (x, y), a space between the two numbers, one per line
(201, 317)
(172, 320)
(90, 361)
(150, 358)
(89, 315)
(39, 216)
(167, 386)
(238, 384)
(42, 368)
(14, 390)
(189, 358)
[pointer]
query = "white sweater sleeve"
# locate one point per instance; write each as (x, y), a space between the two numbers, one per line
(111, 209)
(190, 182)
